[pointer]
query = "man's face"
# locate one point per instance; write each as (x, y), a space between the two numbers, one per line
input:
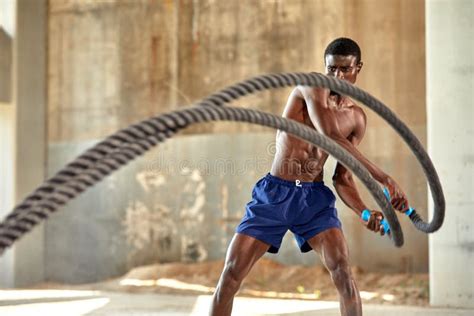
(342, 67)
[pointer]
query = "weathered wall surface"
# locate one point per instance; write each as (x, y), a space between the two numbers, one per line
(5, 66)
(158, 209)
(112, 63)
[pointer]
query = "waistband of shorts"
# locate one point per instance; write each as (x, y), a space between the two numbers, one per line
(293, 183)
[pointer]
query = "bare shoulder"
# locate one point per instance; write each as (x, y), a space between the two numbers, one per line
(357, 112)
(294, 104)
(305, 92)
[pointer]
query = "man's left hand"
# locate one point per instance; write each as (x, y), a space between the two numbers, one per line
(374, 222)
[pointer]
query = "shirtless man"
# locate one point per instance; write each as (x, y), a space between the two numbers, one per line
(292, 196)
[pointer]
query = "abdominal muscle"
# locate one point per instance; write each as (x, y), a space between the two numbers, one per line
(297, 160)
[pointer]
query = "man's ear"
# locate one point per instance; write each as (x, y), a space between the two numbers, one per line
(359, 66)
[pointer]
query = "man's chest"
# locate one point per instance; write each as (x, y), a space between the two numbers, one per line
(345, 121)
(343, 118)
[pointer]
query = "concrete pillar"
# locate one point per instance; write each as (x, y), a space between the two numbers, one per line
(450, 96)
(6, 185)
(24, 129)
(7, 23)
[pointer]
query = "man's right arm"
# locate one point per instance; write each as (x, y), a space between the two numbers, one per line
(325, 121)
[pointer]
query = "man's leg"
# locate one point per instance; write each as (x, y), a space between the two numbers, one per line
(332, 248)
(242, 254)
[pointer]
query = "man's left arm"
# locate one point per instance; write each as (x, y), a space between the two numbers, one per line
(344, 182)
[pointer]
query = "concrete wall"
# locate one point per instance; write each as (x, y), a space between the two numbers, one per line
(172, 209)
(5, 66)
(450, 100)
(113, 63)
(7, 19)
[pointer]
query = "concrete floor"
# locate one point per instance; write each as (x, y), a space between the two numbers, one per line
(75, 303)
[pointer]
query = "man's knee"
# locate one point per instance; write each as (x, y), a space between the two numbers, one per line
(232, 277)
(342, 277)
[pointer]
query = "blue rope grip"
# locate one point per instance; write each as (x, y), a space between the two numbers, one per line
(366, 215)
(408, 212)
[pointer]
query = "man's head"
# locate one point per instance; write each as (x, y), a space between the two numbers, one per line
(342, 59)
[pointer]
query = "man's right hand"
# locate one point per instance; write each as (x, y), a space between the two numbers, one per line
(398, 199)
(374, 224)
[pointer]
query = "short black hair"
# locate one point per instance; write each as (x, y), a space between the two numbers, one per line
(343, 46)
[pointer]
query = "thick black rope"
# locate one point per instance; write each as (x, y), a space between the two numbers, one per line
(272, 81)
(128, 143)
(85, 172)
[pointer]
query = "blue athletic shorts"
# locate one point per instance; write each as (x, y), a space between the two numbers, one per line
(277, 205)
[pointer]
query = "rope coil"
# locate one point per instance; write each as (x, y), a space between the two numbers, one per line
(131, 142)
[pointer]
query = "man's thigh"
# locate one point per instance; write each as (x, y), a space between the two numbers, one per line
(244, 251)
(332, 247)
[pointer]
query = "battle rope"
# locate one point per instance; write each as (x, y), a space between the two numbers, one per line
(313, 79)
(133, 141)
(88, 170)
